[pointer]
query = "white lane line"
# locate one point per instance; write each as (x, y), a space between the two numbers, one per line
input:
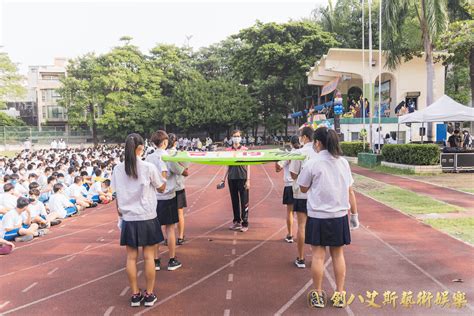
(70, 259)
(100, 238)
(73, 220)
(85, 215)
(333, 285)
(426, 273)
(233, 251)
(230, 277)
(29, 287)
(204, 278)
(63, 225)
(87, 247)
(228, 295)
(110, 231)
(99, 278)
(227, 312)
(139, 273)
(52, 271)
(4, 304)
(235, 234)
(124, 291)
(232, 263)
(234, 242)
(305, 287)
(109, 311)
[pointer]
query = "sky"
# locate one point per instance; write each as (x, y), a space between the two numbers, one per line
(34, 32)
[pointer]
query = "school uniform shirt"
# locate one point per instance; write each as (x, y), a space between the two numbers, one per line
(58, 203)
(285, 165)
(328, 179)
(237, 172)
(95, 189)
(296, 167)
(179, 177)
(10, 220)
(8, 200)
(136, 198)
(20, 189)
(36, 209)
(76, 191)
(68, 179)
(171, 168)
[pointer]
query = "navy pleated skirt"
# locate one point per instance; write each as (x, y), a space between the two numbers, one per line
(141, 233)
(332, 232)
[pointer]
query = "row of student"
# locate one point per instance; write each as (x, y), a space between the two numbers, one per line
(319, 190)
(150, 196)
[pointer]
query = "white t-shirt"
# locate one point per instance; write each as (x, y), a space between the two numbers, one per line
(58, 202)
(287, 179)
(171, 169)
(36, 209)
(76, 191)
(8, 200)
(95, 189)
(329, 180)
(297, 165)
(10, 220)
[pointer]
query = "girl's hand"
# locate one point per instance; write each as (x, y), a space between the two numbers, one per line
(354, 221)
(247, 185)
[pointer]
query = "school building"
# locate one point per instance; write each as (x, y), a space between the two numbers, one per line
(342, 69)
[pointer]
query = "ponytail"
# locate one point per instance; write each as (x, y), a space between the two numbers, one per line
(131, 143)
(329, 140)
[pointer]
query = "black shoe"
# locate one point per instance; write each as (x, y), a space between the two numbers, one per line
(300, 263)
(180, 241)
(157, 264)
(150, 299)
(136, 299)
(55, 222)
(174, 264)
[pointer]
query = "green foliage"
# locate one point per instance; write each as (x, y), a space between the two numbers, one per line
(457, 84)
(10, 80)
(412, 154)
(6, 120)
(352, 149)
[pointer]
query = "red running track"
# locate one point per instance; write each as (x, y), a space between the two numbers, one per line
(79, 268)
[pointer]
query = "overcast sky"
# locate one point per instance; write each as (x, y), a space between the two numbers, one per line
(34, 32)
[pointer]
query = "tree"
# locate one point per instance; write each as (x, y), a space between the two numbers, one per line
(432, 20)
(272, 59)
(82, 92)
(6, 120)
(459, 43)
(10, 80)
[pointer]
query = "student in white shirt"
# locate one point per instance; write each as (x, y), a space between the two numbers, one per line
(79, 193)
(180, 191)
(8, 199)
(288, 189)
(38, 211)
(167, 206)
(60, 204)
(299, 205)
(327, 179)
(136, 182)
(15, 227)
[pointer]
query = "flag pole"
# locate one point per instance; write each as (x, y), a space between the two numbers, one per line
(371, 94)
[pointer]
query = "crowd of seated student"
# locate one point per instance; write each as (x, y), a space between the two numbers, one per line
(40, 189)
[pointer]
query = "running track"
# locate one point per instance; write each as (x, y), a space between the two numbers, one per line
(79, 267)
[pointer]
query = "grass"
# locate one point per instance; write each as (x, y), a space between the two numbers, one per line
(390, 170)
(410, 202)
(462, 228)
(8, 153)
(469, 190)
(403, 200)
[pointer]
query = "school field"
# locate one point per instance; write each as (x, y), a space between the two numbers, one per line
(396, 255)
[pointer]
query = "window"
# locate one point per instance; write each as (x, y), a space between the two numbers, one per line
(354, 136)
(51, 76)
(57, 113)
(50, 95)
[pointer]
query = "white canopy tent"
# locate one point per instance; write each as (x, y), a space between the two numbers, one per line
(444, 109)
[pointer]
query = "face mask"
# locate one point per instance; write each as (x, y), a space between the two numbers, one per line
(13, 182)
(237, 139)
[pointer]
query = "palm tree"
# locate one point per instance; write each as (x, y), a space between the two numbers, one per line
(432, 18)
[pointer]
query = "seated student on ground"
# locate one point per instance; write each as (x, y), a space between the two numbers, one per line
(14, 227)
(98, 176)
(78, 193)
(100, 192)
(7, 199)
(86, 180)
(19, 188)
(38, 211)
(59, 203)
(47, 190)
